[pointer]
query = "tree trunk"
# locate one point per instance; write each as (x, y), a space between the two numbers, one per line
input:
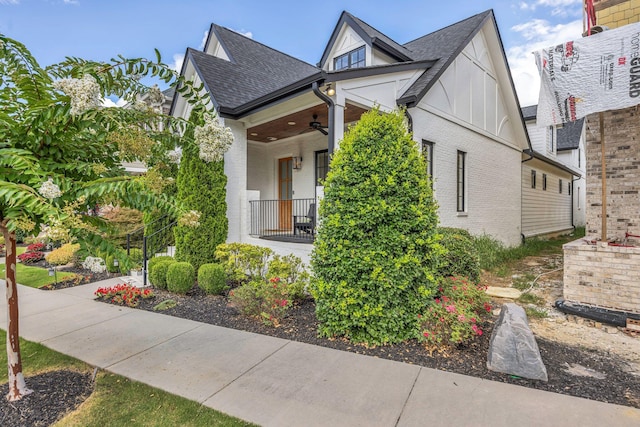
(17, 386)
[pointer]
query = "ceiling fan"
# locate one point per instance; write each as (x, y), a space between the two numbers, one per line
(315, 124)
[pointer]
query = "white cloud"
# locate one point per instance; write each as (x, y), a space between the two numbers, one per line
(70, 1)
(178, 59)
(537, 34)
(245, 33)
(559, 7)
(9, 1)
(204, 40)
(106, 102)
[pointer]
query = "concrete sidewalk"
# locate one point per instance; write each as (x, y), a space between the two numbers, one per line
(275, 382)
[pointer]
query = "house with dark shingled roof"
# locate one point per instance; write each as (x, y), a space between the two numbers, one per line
(289, 116)
(559, 161)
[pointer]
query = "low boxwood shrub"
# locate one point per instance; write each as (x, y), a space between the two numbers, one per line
(155, 260)
(158, 276)
(461, 257)
(181, 277)
(212, 279)
(63, 255)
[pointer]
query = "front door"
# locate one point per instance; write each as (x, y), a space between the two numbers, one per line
(285, 192)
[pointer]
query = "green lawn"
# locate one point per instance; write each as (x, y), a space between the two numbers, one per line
(117, 399)
(34, 277)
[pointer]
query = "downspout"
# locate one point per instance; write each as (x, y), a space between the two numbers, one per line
(331, 124)
(573, 194)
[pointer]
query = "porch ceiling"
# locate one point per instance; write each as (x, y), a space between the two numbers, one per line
(281, 128)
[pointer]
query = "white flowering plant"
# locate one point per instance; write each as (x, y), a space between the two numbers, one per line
(60, 146)
(213, 138)
(94, 264)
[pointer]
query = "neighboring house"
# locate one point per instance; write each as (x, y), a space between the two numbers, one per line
(560, 163)
(288, 116)
(139, 168)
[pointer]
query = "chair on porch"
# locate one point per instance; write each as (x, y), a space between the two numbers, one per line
(306, 223)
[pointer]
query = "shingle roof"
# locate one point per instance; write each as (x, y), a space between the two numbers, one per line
(255, 70)
(443, 45)
(530, 112)
(569, 135)
(377, 36)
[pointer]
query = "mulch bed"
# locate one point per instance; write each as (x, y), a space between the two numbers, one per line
(619, 386)
(54, 394)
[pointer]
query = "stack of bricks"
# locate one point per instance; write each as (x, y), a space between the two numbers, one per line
(600, 274)
(603, 276)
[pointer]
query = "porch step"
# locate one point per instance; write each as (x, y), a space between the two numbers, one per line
(171, 251)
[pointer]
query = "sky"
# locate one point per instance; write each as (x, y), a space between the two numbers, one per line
(102, 29)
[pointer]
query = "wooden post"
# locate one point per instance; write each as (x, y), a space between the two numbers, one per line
(603, 237)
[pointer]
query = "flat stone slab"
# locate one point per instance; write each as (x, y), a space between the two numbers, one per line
(200, 362)
(500, 292)
(302, 384)
(114, 340)
(490, 403)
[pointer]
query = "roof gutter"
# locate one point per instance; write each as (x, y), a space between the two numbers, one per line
(331, 125)
(278, 95)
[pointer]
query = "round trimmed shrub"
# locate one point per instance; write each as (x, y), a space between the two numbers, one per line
(376, 252)
(212, 279)
(461, 256)
(181, 277)
(151, 263)
(158, 276)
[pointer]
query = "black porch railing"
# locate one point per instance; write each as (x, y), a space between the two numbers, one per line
(284, 220)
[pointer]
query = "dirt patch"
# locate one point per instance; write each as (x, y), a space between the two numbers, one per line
(547, 273)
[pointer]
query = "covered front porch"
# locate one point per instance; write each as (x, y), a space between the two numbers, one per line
(287, 162)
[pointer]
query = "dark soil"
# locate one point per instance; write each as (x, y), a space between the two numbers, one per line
(54, 395)
(619, 386)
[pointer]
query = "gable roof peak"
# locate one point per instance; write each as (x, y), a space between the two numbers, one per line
(370, 35)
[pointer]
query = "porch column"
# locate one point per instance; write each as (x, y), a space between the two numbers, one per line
(338, 119)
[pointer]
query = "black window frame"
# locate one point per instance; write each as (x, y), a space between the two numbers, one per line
(427, 153)
(321, 169)
(349, 60)
(533, 179)
(560, 185)
(461, 176)
(544, 182)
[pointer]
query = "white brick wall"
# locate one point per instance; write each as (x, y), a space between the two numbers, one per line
(493, 178)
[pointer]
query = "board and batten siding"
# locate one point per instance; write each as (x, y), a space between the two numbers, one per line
(545, 211)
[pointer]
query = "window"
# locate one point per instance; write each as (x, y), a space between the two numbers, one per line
(551, 139)
(569, 188)
(533, 179)
(560, 186)
(353, 59)
(461, 168)
(322, 166)
(544, 181)
(579, 157)
(427, 152)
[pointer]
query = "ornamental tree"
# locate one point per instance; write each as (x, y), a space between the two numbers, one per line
(202, 187)
(60, 153)
(375, 254)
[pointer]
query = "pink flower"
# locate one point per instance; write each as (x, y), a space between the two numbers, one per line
(426, 334)
(451, 308)
(477, 330)
(461, 318)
